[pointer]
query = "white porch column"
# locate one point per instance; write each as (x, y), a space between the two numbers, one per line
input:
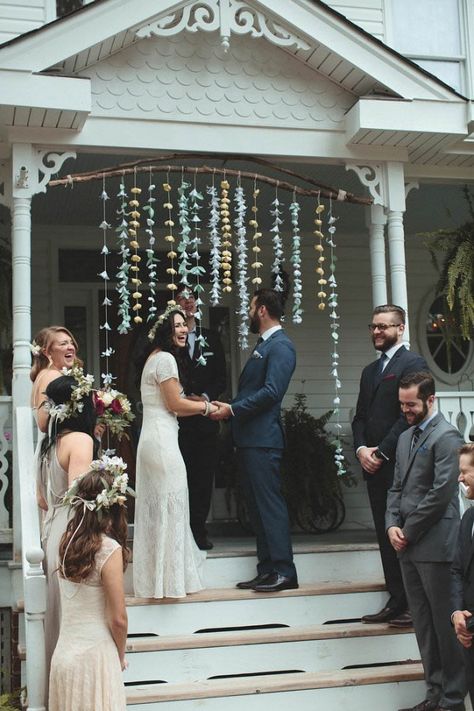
(376, 221)
(395, 207)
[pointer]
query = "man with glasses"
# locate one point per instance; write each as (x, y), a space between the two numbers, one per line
(376, 427)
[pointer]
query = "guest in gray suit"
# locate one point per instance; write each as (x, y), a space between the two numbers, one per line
(422, 524)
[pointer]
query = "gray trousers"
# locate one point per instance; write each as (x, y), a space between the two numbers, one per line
(427, 587)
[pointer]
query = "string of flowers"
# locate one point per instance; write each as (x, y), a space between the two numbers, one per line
(185, 230)
(215, 240)
(107, 377)
(197, 270)
(256, 249)
(278, 257)
(295, 259)
(124, 268)
(151, 259)
(339, 458)
(133, 227)
(169, 238)
(226, 254)
(322, 281)
(242, 275)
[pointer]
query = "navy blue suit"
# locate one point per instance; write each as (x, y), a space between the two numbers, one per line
(259, 437)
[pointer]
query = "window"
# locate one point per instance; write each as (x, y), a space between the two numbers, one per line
(446, 352)
(429, 33)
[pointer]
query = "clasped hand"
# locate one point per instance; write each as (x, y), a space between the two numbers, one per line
(223, 411)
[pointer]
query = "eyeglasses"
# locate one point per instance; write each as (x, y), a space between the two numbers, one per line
(382, 326)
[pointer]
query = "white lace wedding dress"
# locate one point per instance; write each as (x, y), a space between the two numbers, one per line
(166, 560)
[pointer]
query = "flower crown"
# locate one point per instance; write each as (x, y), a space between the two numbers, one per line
(114, 493)
(172, 307)
(74, 406)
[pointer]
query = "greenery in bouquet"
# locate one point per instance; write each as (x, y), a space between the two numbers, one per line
(113, 410)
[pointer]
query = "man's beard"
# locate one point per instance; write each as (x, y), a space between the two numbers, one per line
(254, 324)
(389, 341)
(419, 418)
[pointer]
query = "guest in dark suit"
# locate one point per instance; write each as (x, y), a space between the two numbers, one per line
(422, 525)
(376, 427)
(198, 435)
(462, 570)
(257, 432)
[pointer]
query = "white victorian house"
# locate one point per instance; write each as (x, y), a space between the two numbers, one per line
(370, 97)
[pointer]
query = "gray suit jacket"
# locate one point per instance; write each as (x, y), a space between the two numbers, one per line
(423, 500)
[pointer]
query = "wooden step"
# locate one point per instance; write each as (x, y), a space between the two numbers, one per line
(231, 608)
(325, 690)
(310, 649)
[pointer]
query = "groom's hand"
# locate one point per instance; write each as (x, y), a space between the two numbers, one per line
(223, 411)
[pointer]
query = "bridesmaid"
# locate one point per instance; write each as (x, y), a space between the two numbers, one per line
(90, 654)
(66, 453)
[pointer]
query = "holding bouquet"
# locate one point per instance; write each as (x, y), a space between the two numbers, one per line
(113, 411)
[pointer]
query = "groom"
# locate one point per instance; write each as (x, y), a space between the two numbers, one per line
(258, 436)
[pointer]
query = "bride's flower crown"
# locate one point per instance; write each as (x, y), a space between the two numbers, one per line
(115, 493)
(73, 406)
(171, 308)
(35, 348)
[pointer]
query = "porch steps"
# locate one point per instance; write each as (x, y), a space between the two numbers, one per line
(224, 648)
(384, 688)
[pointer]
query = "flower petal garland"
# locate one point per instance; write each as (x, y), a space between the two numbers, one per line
(133, 227)
(184, 246)
(256, 249)
(169, 238)
(278, 257)
(197, 270)
(242, 276)
(226, 253)
(151, 259)
(108, 350)
(321, 259)
(295, 259)
(124, 269)
(334, 326)
(215, 240)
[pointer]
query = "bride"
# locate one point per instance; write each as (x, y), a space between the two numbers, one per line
(166, 560)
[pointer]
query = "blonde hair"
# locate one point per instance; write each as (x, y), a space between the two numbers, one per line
(44, 339)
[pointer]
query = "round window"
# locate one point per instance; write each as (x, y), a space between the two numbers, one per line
(446, 349)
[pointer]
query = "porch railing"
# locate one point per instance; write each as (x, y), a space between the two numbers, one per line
(34, 580)
(5, 468)
(458, 409)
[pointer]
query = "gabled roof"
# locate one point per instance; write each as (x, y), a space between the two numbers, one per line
(338, 48)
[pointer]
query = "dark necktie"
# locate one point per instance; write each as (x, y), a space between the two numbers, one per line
(415, 437)
(382, 361)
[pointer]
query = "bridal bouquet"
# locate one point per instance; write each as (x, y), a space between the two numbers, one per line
(113, 410)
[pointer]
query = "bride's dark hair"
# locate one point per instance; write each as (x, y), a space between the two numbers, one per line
(163, 339)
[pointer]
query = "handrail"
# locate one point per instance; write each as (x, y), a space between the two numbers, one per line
(34, 579)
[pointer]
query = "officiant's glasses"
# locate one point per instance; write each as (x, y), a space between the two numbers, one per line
(382, 326)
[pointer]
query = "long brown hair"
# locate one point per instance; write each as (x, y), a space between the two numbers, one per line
(44, 339)
(83, 536)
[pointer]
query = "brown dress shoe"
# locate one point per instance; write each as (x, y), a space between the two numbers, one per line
(386, 614)
(401, 621)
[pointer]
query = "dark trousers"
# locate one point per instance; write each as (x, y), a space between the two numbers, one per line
(469, 665)
(199, 450)
(378, 485)
(261, 483)
(428, 593)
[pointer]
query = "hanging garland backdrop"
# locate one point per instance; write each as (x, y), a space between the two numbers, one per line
(184, 267)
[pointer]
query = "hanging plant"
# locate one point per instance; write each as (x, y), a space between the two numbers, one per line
(215, 241)
(456, 280)
(170, 240)
(226, 253)
(295, 259)
(256, 249)
(242, 276)
(124, 268)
